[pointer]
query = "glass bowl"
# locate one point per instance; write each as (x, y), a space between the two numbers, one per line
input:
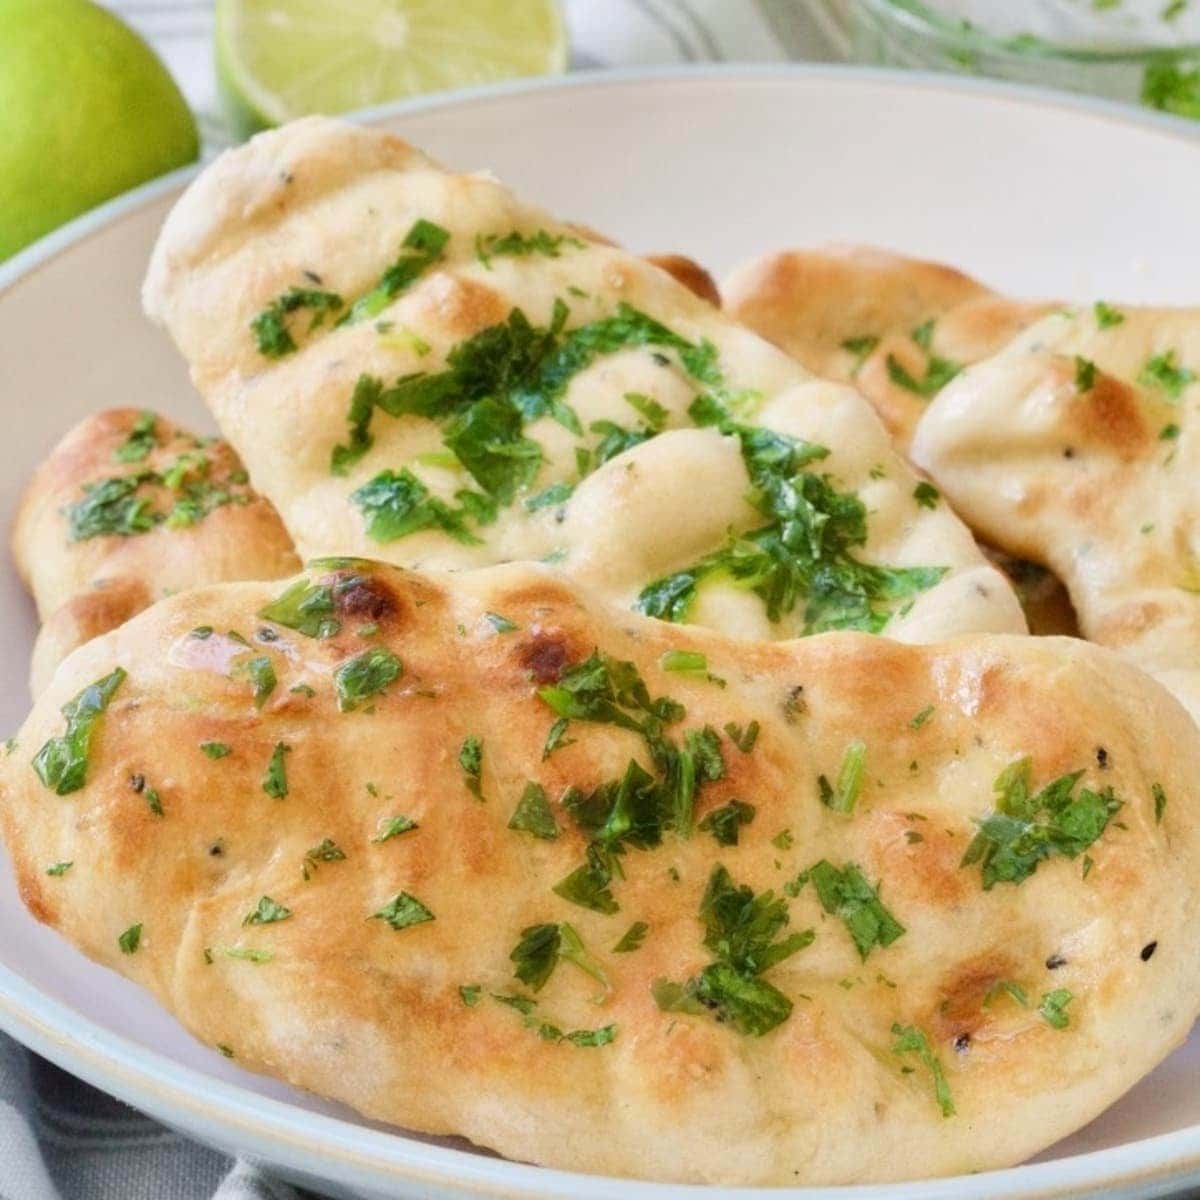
(911, 33)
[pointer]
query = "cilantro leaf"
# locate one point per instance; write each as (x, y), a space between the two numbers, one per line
(470, 758)
(394, 828)
(267, 912)
(911, 1040)
(534, 815)
(274, 782)
(140, 440)
(846, 894)
(270, 327)
(130, 940)
(62, 763)
(402, 911)
(1053, 1007)
(723, 823)
(111, 507)
(843, 798)
(536, 955)
(1165, 373)
(632, 938)
(422, 248)
(305, 607)
(365, 675)
(396, 505)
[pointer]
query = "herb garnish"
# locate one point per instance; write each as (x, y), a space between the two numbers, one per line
(520, 245)
(396, 504)
(1053, 1007)
(632, 938)
(305, 607)
(59, 869)
(1160, 802)
(141, 439)
(215, 750)
(130, 940)
(843, 798)
(533, 814)
(743, 739)
(267, 912)
(274, 782)
(1025, 829)
(1165, 373)
(262, 674)
(861, 348)
(938, 371)
(1085, 374)
(911, 1040)
(803, 553)
(926, 495)
(550, 1032)
(421, 249)
(394, 828)
(848, 895)
(365, 675)
(270, 328)
(328, 851)
(723, 823)
(740, 931)
(61, 764)
(402, 911)
(470, 758)
(1106, 315)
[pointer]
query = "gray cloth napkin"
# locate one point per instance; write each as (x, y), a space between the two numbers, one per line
(59, 1138)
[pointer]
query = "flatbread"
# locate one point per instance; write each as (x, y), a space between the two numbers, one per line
(129, 507)
(599, 415)
(897, 328)
(267, 863)
(1075, 447)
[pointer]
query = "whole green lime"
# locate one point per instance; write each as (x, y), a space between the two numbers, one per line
(86, 111)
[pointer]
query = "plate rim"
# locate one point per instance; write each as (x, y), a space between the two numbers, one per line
(186, 1097)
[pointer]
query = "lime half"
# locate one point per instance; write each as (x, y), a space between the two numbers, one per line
(280, 59)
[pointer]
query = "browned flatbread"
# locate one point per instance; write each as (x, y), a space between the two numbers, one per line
(207, 526)
(333, 891)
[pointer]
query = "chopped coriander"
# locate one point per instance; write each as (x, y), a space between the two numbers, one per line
(365, 675)
(632, 938)
(141, 439)
(520, 245)
(227, 1051)
(396, 505)
(267, 912)
(1028, 828)
(1165, 373)
(783, 840)
(154, 802)
(938, 372)
(844, 796)
(201, 632)
(500, 624)
(328, 851)
(587, 885)
(215, 750)
(368, 389)
(1106, 315)
(740, 931)
(59, 869)
(302, 689)
(274, 782)
(922, 717)
(62, 763)
(10, 746)
(470, 758)
(305, 607)
(1160, 802)
(470, 994)
(536, 955)
(533, 814)
(911, 1040)
(557, 737)
(271, 330)
(1085, 374)
(262, 674)
(402, 911)
(551, 497)
(723, 823)
(862, 349)
(111, 507)
(683, 660)
(1053, 1007)
(743, 739)
(926, 495)
(1007, 987)
(394, 828)
(923, 334)
(248, 954)
(846, 894)
(422, 248)
(1172, 88)
(130, 940)
(1168, 433)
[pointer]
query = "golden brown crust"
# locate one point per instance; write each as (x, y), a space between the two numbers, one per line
(1068, 449)
(811, 303)
(86, 586)
(350, 1008)
(615, 497)
(688, 272)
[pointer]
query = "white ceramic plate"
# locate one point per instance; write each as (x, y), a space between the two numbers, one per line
(1038, 194)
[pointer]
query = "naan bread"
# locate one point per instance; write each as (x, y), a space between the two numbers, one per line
(897, 328)
(598, 414)
(326, 870)
(845, 311)
(129, 508)
(1076, 447)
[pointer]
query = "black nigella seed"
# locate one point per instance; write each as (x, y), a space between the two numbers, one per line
(1055, 961)
(1101, 757)
(137, 782)
(1148, 951)
(962, 1042)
